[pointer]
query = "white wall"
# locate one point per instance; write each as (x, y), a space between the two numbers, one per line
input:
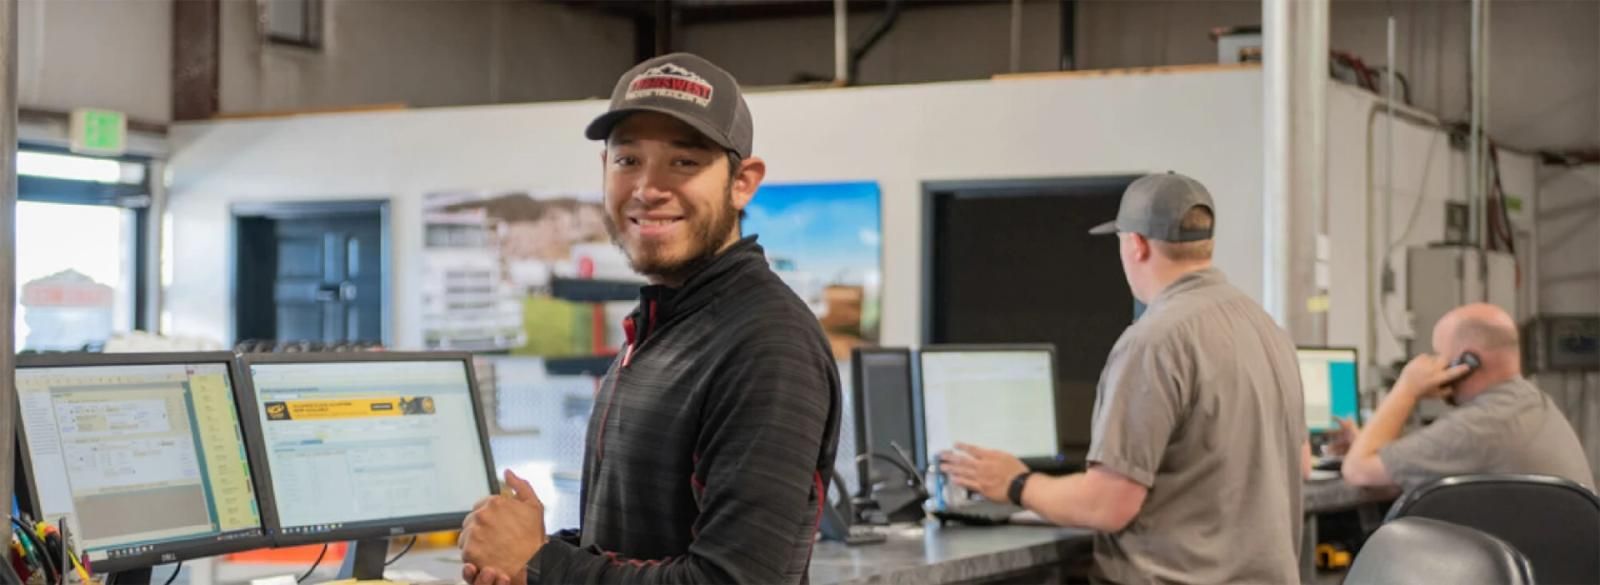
(93, 53)
(1425, 166)
(1544, 61)
(1569, 263)
(1203, 124)
(1569, 282)
(927, 43)
(424, 53)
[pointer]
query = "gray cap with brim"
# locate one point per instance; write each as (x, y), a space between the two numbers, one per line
(686, 87)
(1154, 205)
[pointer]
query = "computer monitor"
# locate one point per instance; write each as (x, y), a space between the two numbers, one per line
(886, 411)
(994, 396)
(1328, 378)
(141, 454)
(363, 446)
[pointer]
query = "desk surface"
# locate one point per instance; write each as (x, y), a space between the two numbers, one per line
(953, 554)
(934, 554)
(912, 554)
(1333, 495)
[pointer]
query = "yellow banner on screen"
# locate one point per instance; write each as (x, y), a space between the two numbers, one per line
(349, 408)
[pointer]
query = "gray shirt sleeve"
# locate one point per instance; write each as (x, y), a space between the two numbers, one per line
(1139, 405)
(1446, 447)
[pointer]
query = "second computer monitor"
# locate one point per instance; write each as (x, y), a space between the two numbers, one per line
(1328, 378)
(993, 396)
(886, 409)
(359, 446)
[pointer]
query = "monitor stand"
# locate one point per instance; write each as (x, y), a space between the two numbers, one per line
(364, 564)
(129, 577)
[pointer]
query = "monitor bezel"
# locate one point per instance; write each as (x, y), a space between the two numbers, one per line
(918, 446)
(1055, 384)
(362, 530)
(1354, 351)
(172, 551)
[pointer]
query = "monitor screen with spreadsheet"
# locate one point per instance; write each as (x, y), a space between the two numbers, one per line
(142, 455)
(997, 397)
(367, 445)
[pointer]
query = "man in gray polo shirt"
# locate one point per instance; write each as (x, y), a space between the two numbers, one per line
(1195, 464)
(1501, 424)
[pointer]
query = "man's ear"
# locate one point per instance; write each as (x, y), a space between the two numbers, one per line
(747, 180)
(1141, 247)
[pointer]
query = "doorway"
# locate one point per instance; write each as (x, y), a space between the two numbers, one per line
(1011, 261)
(312, 272)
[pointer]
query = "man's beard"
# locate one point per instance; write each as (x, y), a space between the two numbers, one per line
(707, 234)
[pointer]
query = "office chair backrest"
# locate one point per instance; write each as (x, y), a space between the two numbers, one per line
(1420, 551)
(1553, 521)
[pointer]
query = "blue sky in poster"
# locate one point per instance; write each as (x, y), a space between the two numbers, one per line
(827, 229)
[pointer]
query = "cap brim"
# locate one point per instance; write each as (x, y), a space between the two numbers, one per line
(600, 128)
(1109, 227)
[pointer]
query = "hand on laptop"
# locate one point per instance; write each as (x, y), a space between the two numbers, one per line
(502, 534)
(986, 471)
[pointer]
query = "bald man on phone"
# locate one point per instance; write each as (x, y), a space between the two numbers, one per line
(1501, 422)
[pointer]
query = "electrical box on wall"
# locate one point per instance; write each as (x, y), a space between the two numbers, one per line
(1441, 278)
(1562, 343)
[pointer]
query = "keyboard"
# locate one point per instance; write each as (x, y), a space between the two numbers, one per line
(978, 513)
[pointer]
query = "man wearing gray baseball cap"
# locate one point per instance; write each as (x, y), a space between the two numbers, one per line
(1198, 445)
(713, 431)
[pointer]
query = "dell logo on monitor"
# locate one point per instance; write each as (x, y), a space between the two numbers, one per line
(169, 557)
(396, 531)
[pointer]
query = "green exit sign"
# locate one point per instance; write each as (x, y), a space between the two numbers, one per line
(99, 131)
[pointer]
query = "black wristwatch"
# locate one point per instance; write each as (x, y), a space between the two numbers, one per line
(1014, 493)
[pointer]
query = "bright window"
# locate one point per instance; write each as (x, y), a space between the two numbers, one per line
(75, 266)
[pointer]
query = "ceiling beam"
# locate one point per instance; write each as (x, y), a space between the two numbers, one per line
(196, 59)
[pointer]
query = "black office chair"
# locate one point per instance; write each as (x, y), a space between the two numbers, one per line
(1553, 521)
(1420, 551)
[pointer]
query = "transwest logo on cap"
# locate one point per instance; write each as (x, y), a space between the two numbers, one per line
(671, 81)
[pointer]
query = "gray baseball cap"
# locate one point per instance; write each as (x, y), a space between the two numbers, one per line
(1154, 206)
(686, 87)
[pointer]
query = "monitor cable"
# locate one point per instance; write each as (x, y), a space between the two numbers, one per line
(314, 565)
(41, 552)
(175, 571)
(402, 552)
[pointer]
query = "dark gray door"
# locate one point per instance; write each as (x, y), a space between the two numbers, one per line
(1013, 262)
(329, 279)
(310, 272)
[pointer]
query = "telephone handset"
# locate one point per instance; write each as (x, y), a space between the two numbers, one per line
(1471, 361)
(1468, 359)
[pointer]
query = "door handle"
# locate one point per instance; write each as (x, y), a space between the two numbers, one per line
(334, 293)
(327, 293)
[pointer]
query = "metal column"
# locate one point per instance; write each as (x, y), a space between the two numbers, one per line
(8, 249)
(1294, 163)
(841, 44)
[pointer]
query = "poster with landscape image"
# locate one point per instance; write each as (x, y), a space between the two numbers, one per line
(536, 274)
(824, 240)
(522, 272)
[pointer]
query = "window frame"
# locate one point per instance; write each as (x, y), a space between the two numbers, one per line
(135, 197)
(311, 34)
